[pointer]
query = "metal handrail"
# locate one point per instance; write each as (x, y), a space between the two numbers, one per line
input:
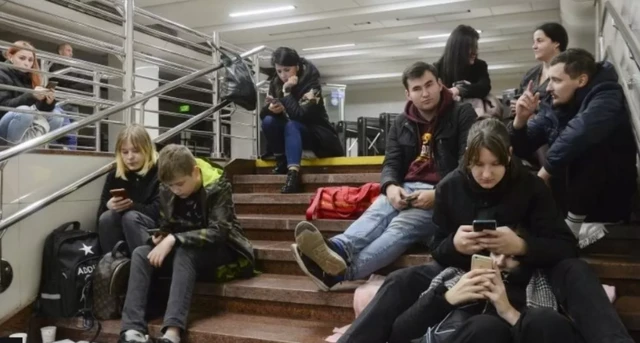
(40, 204)
(633, 107)
(622, 27)
(53, 135)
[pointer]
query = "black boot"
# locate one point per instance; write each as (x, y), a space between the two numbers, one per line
(292, 185)
(281, 165)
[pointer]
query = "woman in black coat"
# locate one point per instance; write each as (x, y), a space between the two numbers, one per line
(460, 69)
(295, 117)
(530, 234)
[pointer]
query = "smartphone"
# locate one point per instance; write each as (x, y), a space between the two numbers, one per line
(119, 193)
(270, 100)
(480, 225)
(52, 85)
(481, 262)
(411, 198)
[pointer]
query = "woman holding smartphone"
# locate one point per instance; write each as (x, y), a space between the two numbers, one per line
(22, 71)
(530, 233)
(129, 205)
(295, 117)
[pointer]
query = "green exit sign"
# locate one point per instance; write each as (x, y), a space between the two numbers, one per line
(185, 108)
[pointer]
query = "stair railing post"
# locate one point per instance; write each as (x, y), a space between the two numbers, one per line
(256, 113)
(6, 271)
(128, 64)
(217, 149)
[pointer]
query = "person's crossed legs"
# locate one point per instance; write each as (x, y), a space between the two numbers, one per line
(372, 242)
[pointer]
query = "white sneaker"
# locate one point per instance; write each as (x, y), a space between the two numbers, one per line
(591, 233)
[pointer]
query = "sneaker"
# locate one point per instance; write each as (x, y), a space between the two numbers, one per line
(313, 245)
(123, 338)
(323, 280)
(590, 233)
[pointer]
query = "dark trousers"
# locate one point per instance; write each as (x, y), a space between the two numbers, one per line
(288, 137)
(581, 295)
(130, 226)
(398, 296)
(574, 284)
(184, 264)
(535, 326)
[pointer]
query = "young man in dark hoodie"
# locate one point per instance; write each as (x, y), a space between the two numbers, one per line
(592, 154)
(424, 144)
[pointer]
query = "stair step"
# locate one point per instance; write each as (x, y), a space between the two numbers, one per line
(222, 327)
(281, 227)
(272, 203)
(310, 182)
(331, 165)
(628, 308)
(276, 257)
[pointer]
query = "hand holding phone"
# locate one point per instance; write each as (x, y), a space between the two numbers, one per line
(481, 262)
(480, 225)
(119, 193)
(52, 85)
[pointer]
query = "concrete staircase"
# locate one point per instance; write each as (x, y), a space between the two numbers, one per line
(282, 305)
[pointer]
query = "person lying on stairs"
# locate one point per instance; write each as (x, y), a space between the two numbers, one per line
(424, 144)
(295, 117)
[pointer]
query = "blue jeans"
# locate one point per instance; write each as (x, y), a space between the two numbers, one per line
(14, 125)
(286, 136)
(383, 233)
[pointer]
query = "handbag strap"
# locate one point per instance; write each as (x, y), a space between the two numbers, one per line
(311, 210)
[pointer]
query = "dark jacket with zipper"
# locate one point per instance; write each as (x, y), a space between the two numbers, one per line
(305, 104)
(477, 74)
(218, 224)
(520, 201)
(404, 145)
(8, 98)
(142, 190)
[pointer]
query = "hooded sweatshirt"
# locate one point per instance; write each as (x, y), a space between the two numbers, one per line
(423, 168)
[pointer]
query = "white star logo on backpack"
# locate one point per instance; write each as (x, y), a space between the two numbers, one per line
(87, 249)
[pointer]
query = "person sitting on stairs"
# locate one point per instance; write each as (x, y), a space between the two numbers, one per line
(199, 236)
(492, 184)
(591, 161)
(295, 117)
(424, 144)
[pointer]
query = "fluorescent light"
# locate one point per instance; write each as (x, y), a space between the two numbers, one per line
(329, 47)
(440, 36)
(263, 11)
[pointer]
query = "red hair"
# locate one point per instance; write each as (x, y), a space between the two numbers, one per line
(24, 45)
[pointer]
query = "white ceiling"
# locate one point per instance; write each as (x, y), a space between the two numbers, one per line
(385, 32)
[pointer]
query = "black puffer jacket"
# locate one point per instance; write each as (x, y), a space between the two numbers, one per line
(142, 190)
(14, 77)
(520, 201)
(306, 105)
(403, 143)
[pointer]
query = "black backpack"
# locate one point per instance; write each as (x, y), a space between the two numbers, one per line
(70, 256)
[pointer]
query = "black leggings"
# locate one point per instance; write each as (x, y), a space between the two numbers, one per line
(535, 326)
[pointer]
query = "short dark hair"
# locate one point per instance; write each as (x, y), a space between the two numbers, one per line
(491, 134)
(175, 161)
(416, 70)
(285, 57)
(556, 33)
(576, 62)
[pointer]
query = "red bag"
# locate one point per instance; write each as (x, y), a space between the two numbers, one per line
(342, 202)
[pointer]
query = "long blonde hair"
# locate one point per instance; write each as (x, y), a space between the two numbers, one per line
(139, 138)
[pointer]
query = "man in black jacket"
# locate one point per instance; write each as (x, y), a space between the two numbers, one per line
(590, 164)
(424, 144)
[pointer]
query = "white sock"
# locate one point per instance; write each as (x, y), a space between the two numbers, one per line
(134, 336)
(171, 336)
(574, 221)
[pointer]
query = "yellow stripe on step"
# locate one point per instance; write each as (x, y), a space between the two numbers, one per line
(331, 161)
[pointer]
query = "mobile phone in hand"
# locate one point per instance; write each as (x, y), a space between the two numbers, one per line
(480, 225)
(52, 85)
(481, 262)
(119, 193)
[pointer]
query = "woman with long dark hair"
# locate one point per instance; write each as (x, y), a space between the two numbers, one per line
(295, 117)
(460, 69)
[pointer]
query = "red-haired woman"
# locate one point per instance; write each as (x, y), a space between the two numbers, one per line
(21, 70)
